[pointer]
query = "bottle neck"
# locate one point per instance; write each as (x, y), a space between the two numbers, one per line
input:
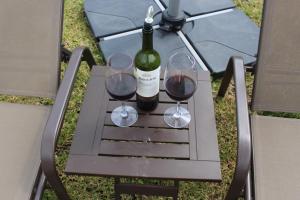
(148, 40)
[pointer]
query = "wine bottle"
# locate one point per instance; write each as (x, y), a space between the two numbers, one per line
(147, 68)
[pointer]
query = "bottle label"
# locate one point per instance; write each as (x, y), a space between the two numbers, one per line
(147, 82)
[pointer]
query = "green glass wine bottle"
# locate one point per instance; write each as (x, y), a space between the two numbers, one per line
(147, 68)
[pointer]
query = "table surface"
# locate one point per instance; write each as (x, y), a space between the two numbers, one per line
(148, 149)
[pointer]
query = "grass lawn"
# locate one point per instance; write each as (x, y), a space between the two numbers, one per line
(76, 32)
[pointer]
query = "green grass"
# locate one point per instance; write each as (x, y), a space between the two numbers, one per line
(77, 33)
(253, 8)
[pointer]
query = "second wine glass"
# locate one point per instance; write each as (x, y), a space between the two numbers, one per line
(180, 82)
(121, 85)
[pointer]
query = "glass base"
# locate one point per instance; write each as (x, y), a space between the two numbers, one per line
(175, 120)
(121, 120)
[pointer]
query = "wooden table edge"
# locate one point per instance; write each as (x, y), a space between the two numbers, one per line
(94, 165)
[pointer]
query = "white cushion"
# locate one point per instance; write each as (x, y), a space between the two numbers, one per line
(276, 149)
(21, 129)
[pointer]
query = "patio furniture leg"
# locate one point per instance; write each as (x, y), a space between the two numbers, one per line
(143, 189)
(226, 80)
(176, 184)
(117, 193)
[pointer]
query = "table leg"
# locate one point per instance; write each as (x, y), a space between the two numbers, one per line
(176, 184)
(117, 193)
(144, 189)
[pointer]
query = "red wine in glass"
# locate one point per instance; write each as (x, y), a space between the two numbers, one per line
(180, 82)
(121, 86)
(180, 87)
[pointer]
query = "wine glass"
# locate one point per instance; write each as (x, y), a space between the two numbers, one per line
(121, 84)
(180, 82)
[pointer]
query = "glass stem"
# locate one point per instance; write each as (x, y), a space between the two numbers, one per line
(177, 114)
(124, 113)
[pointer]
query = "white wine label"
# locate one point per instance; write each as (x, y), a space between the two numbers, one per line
(147, 82)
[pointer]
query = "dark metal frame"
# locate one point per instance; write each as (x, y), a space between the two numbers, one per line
(241, 176)
(144, 189)
(51, 133)
(37, 191)
(246, 180)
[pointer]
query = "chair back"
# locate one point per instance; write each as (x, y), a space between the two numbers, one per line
(30, 43)
(277, 76)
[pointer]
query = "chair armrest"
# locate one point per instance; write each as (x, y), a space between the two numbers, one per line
(55, 120)
(236, 67)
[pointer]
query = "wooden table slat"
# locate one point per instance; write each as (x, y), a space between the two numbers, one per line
(161, 108)
(86, 126)
(144, 168)
(163, 98)
(154, 121)
(207, 142)
(142, 134)
(161, 150)
(192, 130)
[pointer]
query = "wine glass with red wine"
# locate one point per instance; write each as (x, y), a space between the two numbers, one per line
(121, 85)
(180, 83)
